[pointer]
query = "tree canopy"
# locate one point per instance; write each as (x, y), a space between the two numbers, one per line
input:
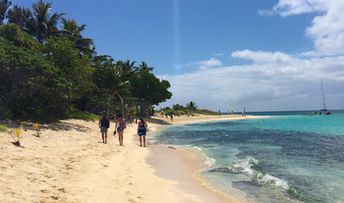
(49, 70)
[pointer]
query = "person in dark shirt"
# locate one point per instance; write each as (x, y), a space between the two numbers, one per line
(104, 124)
(141, 132)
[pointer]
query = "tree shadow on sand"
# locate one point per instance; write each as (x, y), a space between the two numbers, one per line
(64, 126)
(157, 121)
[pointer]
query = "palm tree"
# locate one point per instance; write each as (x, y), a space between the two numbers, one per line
(120, 87)
(124, 71)
(41, 23)
(191, 105)
(4, 6)
(19, 16)
(72, 30)
(113, 79)
(145, 68)
(127, 68)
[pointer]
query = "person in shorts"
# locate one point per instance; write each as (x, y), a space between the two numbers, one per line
(120, 126)
(141, 132)
(104, 124)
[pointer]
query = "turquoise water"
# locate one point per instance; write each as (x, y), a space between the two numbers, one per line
(294, 158)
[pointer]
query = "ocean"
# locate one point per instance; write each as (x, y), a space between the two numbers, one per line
(287, 157)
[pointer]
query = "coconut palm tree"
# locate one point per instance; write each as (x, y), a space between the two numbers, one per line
(19, 16)
(113, 78)
(41, 23)
(124, 71)
(145, 68)
(191, 105)
(72, 30)
(4, 6)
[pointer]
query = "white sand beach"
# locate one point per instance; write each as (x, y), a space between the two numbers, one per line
(68, 163)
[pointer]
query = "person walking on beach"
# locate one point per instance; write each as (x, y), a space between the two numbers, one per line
(104, 124)
(120, 126)
(141, 131)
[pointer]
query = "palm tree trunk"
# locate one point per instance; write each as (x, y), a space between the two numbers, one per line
(121, 101)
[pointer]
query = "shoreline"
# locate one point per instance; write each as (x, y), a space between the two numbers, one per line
(68, 163)
(185, 166)
(191, 176)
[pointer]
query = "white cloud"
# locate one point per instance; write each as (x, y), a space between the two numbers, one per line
(292, 7)
(203, 64)
(213, 62)
(285, 82)
(260, 56)
(327, 27)
(275, 80)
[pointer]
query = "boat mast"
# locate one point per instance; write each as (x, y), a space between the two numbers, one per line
(323, 96)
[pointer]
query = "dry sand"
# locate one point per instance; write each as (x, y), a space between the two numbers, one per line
(68, 163)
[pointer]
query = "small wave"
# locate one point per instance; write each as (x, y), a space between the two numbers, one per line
(210, 161)
(245, 166)
(196, 148)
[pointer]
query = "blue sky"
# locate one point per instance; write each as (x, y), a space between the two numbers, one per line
(145, 30)
(224, 54)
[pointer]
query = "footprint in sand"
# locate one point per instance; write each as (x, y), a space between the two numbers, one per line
(44, 191)
(128, 193)
(62, 190)
(54, 197)
(131, 200)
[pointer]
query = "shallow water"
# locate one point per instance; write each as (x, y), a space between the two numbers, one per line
(278, 159)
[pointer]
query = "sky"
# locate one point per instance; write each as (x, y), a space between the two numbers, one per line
(265, 55)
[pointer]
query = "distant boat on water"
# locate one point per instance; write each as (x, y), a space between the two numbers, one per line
(324, 109)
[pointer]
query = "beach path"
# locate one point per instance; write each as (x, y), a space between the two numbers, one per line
(68, 163)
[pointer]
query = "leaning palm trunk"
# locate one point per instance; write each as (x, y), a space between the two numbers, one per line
(121, 101)
(143, 109)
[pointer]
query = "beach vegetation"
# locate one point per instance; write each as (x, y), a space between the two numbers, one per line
(37, 128)
(82, 115)
(189, 109)
(191, 105)
(3, 128)
(17, 135)
(50, 71)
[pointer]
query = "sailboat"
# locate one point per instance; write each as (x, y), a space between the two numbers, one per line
(324, 109)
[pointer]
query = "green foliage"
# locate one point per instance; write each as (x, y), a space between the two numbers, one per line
(73, 67)
(3, 128)
(48, 72)
(15, 34)
(41, 23)
(149, 89)
(191, 105)
(189, 109)
(82, 116)
(206, 112)
(28, 83)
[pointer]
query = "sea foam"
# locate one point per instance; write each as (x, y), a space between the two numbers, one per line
(245, 166)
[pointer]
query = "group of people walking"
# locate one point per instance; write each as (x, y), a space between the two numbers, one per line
(120, 125)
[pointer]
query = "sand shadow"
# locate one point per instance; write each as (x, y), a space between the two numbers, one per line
(63, 126)
(157, 121)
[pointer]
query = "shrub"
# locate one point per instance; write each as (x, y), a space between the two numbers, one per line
(82, 116)
(3, 128)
